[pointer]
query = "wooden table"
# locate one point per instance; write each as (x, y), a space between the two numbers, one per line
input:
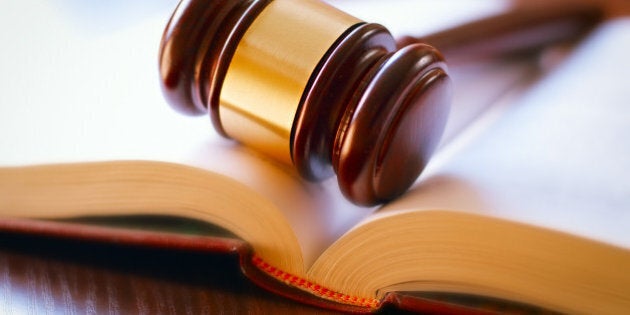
(46, 276)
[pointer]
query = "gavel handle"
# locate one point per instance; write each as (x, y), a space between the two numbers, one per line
(522, 30)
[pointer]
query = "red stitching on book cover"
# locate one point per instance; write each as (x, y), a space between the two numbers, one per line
(311, 287)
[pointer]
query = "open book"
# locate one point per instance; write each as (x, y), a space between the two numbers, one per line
(528, 204)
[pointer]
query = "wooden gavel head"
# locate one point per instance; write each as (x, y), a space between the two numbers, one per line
(312, 86)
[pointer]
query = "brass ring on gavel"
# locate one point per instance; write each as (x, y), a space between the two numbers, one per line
(310, 85)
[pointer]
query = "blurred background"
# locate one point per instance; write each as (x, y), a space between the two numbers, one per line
(96, 63)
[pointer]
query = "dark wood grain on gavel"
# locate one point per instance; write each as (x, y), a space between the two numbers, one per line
(372, 110)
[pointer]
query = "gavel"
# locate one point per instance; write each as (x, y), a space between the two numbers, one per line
(317, 88)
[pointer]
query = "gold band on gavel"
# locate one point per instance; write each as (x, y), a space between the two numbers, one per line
(271, 69)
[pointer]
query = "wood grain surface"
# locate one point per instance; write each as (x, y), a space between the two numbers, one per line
(50, 276)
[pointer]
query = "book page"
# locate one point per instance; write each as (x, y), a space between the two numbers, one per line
(555, 155)
(529, 204)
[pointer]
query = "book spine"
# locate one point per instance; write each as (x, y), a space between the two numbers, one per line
(293, 287)
(313, 288)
